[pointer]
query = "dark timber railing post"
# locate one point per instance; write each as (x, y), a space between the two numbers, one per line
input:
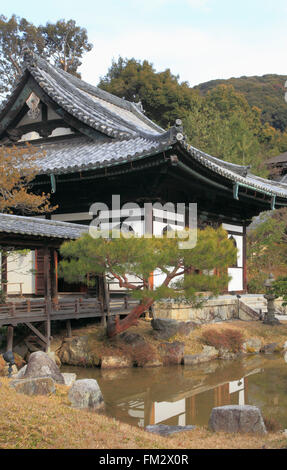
(106, 296)
(4, 271)
(54, 275)
(10, 333)
(47, 290)
(69, 328)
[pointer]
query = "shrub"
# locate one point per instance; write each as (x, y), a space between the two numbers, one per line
(140, 354)
(231, 339)
(271, 424)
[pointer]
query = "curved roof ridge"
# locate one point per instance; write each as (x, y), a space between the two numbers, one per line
(227, 170)
(83, 94)
(110, 98)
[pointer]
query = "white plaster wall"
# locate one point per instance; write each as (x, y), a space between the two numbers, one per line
(19, 270)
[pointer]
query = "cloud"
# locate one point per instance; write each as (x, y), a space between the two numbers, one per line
(195, 55)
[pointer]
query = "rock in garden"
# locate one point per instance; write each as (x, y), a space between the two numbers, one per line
(115, 362)
(21, 372)
(132, 339)
(79, 351)
(165, 430)
(172, 353)
(86, 393)
(165, 328)
(237, 418)
(34, 386)
(208, 354)
(269, 348)
(252, 345)
(224, 353)
(69, 379)
(41, 365)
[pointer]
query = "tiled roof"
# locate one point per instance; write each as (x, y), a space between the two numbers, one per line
(282, 158)
(127, 133)
(82, 153)
(100, 110)
(40, 227)
(238, 174)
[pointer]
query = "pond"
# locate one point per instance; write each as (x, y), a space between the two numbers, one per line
(181, 395)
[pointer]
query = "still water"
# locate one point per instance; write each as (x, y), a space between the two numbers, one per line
(186, 394)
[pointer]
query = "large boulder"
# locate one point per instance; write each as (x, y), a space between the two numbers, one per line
(208, 354)
(237, 418)
(34, 386)
(41, 365)
(172, 353)
(86, 393)
(22, 372)
(132, 339)
(165, 328)
(269, 348)
(252, 345)
(79, 351)
(165, 430)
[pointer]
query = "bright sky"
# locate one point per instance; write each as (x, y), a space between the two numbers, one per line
(199, 40)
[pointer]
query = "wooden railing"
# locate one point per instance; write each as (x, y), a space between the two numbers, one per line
(36, 309)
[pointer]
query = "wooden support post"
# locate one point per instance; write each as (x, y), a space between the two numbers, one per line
(244, 261)
(106, 296)
(48, 325)
(47, 290)
(54, 275)
(47, 279)
(10, 333)
(4, 271)
(69, 328)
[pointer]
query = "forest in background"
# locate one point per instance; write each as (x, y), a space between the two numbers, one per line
(241, 120)
(238, 120)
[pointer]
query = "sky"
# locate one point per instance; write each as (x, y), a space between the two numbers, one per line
(199, 40)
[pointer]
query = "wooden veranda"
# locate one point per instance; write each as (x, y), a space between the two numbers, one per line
(30, 233)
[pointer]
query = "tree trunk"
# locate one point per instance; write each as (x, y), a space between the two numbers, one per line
(118, 326)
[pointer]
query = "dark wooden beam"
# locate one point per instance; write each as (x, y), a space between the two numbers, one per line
(10, 334)
(4, 272)
(36, 331)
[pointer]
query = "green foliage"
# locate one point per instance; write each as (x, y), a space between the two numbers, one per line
(138, 256)
(225, 126)
(63, 42)
(267, 249)
(223, 120)
(164, 99)
(279, 288)
(266, 92)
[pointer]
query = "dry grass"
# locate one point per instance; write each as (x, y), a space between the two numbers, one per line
(49, 423)
(193, 342)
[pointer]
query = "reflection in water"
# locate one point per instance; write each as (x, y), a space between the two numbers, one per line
(186, 395)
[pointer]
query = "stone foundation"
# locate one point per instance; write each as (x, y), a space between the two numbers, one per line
(214, 310)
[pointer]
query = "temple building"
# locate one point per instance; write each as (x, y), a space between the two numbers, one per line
(98, 145)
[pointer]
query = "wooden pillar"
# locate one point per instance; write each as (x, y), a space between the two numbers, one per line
(47, 293)
(54, 274)
(69, 328)
(244, 261)
(101, 298)
(10, 333)
(4, 271)
(106, 296)
(245, 390)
